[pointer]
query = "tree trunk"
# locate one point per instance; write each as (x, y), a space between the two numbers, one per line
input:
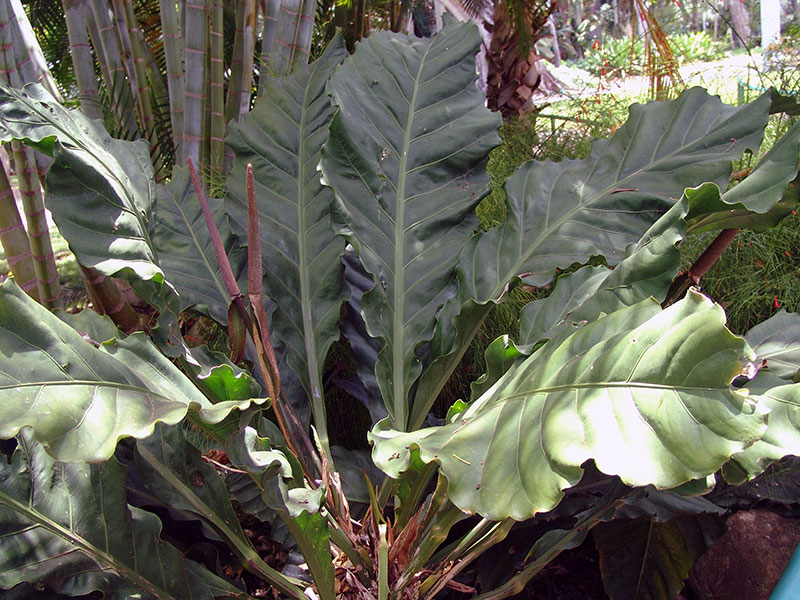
(740, 19)
(14, 238)
(82, 61)
(195, 77)
(173, 58)
(511, 77)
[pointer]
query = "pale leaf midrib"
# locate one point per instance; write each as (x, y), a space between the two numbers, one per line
(84, 546)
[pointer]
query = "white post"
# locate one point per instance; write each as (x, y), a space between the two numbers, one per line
(770, 29)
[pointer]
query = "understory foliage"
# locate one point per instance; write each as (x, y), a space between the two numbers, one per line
(350, 212)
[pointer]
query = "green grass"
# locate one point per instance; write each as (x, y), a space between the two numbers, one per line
(758, 273)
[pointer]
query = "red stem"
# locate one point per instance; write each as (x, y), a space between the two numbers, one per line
(711, 255)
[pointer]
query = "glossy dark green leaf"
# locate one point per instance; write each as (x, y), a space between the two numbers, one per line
(500, 356)
(560, 213)
(406, 157)
(310, 531)
(183, 247)
(79, 397)
(587, 293)
(67, 526)
(100, 190)
(641, 391)
(282, 138)
(174, 471)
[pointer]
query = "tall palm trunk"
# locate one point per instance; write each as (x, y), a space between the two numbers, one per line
(195, 77)
(216, 90)
(293, 35)
(512, 76)
(20, 55)
(173, 57)
(82, 62)
(271, 10)
(241, 79)
(107, 47)
(14, 238)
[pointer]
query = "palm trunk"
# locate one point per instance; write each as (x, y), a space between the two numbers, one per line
(30, 60)
(25, 166)
(216, 87)
(173, 55)
(195, 28)
(108, 52)
(295, 25)
(14, 239)
(82, 61)
(32, 197)
(267, 68)
(241, 80)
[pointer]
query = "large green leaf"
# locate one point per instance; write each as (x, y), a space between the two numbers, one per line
(279, 478)
(282, 138)
(183, 247)
(782, 437)
(587, 293)
(406, 157)
(761, 200)
(174, 471)
(559, 213)
(100, 190)
(81, 396)
(68, 527)
(641, 391)
(777, 341)
(277, 473)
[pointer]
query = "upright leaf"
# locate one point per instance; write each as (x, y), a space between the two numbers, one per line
(761, 200)
(406, 157)
(643, 392)
(282, 138)
(559, 213)
(69, 528)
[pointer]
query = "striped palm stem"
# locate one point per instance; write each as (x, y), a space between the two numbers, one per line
(195, 50)
(32, 197)
(30, 62)
(271, 9)
(140, 58)
(241, 80)
(293, 37)
(15, 53)
(107, 48)
(173, 58)
(82, 61)
(14, 239)
(216, 90)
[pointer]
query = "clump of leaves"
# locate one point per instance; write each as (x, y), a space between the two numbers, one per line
(609, 406)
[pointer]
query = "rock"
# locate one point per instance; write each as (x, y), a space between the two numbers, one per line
(747, 561)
